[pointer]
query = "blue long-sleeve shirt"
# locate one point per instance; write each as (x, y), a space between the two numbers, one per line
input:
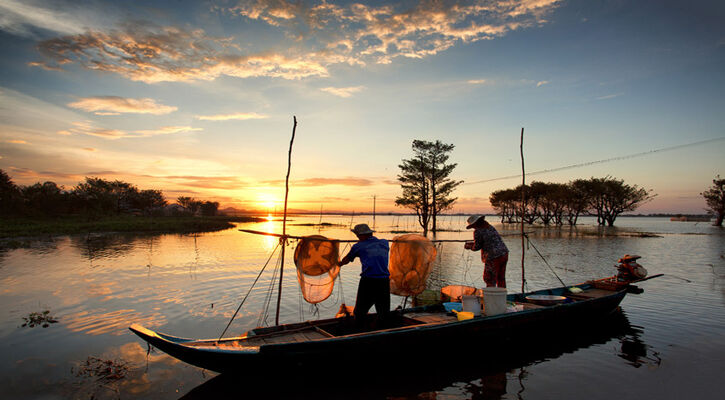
(373, 253)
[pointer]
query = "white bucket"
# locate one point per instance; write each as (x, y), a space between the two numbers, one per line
(472, 304)
(494, 300)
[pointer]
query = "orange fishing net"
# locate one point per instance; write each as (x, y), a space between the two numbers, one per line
(455, 292)
(411, 261)
(318, 262)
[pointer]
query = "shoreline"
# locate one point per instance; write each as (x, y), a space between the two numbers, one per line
(33, 228)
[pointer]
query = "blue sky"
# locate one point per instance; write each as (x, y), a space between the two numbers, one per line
(197, 98)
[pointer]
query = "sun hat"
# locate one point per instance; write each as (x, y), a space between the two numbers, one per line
(473, 219)
(361, 229)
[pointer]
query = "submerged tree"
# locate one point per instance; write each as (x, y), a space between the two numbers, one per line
(425, 180)
(715, 199)
(413, 180)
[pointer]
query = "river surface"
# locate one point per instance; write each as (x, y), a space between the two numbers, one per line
(667, 343)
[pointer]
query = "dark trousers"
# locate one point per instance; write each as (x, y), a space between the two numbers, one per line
(372, 291)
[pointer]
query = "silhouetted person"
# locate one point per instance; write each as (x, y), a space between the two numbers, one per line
(374, 286)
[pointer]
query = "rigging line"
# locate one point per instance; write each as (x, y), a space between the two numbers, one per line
(606, 160)
(270, 291)
(528, 241)
(248, 292)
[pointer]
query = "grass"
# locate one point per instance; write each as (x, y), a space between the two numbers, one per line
(19, 227)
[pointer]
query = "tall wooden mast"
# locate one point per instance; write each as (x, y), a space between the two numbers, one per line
(283, 239)
(523, 211)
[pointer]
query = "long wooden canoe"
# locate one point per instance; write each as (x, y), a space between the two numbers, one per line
(316, 343)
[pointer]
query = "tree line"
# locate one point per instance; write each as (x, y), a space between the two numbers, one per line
(558, 203)
(94, 197)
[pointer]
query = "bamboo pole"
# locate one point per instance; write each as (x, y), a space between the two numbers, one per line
(284, 220)
(523, 211)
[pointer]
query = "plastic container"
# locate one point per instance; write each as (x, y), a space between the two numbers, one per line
(471, 304)
(494, 300)
(452, 306)
(463, 315)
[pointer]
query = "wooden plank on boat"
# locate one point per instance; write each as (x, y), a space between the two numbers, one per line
(432, 318)
(313, 335)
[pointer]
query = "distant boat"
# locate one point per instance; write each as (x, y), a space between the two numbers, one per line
(409, 331)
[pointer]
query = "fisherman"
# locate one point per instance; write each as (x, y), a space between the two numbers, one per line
(494, 252)
(629, 270)
(374, 286)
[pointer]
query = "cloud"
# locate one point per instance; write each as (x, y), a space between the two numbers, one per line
(166, 130)
(234, 116)
(87, 128)
(477, 81)
(609, 96)
(152, 54)
(541, 83)
(20, 18)
(382, 32)
(317, 35)
(89, 149)
(17, 141)
(344, 91)
(114, 105)
(349, 181)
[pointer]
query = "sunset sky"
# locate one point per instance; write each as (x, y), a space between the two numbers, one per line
(197, 97)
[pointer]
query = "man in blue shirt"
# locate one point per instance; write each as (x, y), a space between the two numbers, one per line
(374, 286)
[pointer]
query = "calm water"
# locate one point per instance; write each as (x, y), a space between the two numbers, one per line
(666, 343)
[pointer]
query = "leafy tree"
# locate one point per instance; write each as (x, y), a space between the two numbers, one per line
(190, 204)
(209, 208)
(413, 180)
(576, 200)
(148, 200)
(45, 199)
(426, 182)
(613, 197)
(101, 196)
(715, 199)
(10, 197)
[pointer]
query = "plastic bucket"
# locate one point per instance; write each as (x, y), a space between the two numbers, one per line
(471, 304)
(494, 300)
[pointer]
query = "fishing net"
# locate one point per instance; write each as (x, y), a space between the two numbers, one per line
(455, 292)
(411, 261)
(318, 262)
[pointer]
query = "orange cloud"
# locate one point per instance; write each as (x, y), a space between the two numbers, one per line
(349, 181)
(322, 34)
(154, 54)
(234, 116)
(114, 105)
(86, 128)
(16, 141)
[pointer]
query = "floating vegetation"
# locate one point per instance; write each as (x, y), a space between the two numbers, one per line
(43, 319)
(102, 370)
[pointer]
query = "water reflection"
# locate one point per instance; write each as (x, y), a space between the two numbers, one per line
(479, 372)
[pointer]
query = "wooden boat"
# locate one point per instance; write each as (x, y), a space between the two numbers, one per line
(412, 330)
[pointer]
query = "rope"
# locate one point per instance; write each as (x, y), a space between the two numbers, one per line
(528, 241)
(248, 292)
(268, 300)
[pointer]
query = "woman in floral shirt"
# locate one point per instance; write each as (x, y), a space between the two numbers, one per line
(494, 252)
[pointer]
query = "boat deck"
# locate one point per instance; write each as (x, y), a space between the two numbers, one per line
(325, 329)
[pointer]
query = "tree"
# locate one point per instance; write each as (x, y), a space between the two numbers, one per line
(189, 203)
(209, 208)
(441, 186)
(105, 197)
(413, 180)
(426, 182)
(715, 199)
(45, 199)
(148, 200)
(615, 197)
(10, 197)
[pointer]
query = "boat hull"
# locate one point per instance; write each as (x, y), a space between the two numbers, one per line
(404, 343)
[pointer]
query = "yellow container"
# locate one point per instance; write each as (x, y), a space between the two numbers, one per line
(463, 315)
